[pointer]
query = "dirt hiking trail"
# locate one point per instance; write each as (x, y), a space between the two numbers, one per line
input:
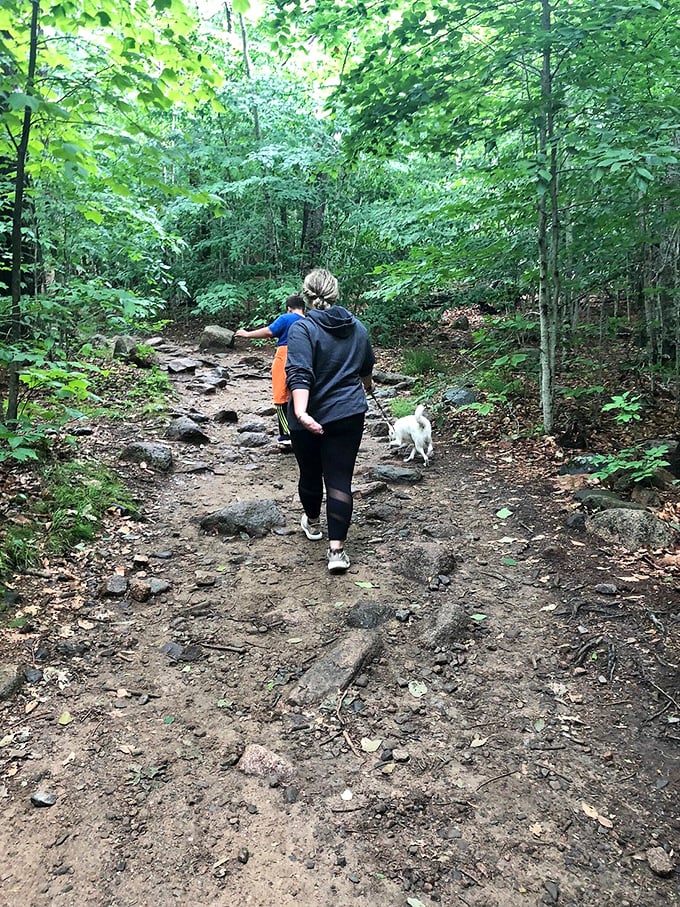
(501, 736)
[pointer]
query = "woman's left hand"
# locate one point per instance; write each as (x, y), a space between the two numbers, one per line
(310, 424)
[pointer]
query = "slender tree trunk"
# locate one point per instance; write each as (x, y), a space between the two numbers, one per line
(547, 198)
(312, 227)
(15, 326)
(271, 221)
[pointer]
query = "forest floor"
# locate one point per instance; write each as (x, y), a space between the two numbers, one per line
(532, 759)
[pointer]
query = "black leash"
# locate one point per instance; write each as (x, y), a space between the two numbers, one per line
(382, 411)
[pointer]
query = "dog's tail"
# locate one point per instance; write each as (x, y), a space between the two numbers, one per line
(420, 409)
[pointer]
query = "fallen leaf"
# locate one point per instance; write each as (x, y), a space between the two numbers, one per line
(590, 811)
(605, 822)
(478, 741)
(363, 585)
(503, 513)
(65, 718)
(509, 561)
(370, 746)
(86, 624)
(295, 639)
(33, 704)
(414, 902)
(478, 617)
(387, 769)
(417, 688)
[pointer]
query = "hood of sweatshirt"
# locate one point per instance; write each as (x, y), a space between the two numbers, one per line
(336, 320)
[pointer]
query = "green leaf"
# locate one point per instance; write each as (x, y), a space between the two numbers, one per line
(509, 561)
(478, 617)
(169, 719)
(503, 513)
(18, 101)
(363, 585)
(241, 6)
(95, 216)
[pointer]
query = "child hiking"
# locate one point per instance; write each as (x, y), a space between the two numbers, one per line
(295, 310)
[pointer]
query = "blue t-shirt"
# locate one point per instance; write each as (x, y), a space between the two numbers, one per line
(281, 326)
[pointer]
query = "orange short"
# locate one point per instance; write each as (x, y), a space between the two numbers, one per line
(279, 387)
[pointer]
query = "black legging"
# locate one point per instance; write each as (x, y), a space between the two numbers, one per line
(329, 459)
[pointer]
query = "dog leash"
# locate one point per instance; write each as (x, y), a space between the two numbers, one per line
(382, 411)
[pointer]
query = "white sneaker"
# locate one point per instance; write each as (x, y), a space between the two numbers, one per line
(310, 529)
(338, 561)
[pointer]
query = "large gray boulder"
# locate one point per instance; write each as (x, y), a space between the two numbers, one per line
(215, 337)
(399, 474)
(336, 668)
(157, 456)
(602, 499)
(185, 429)
(632, 529)
(459, 396)
(256, 518)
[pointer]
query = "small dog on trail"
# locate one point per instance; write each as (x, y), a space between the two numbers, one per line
(415, 429)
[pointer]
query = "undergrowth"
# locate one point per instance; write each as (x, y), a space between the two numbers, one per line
(74, 498)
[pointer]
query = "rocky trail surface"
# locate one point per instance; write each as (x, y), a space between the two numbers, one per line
(474, 714)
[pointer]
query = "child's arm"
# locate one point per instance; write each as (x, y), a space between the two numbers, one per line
(257, 333)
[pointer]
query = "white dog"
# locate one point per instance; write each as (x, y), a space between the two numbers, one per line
(415, 429)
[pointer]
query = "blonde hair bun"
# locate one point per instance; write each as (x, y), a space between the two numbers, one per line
(320, 289)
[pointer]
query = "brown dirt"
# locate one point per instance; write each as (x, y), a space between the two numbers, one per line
(540, 766)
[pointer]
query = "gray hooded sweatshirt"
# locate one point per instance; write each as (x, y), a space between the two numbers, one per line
(329, 352)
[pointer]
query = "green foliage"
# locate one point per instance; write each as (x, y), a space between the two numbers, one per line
(421, 361)
(252, 300)
(22, 441)
(150, 390)
(78, 495)
(18, 549)
(493, 400)
(402, 407)
(626, 407)
(632, 464)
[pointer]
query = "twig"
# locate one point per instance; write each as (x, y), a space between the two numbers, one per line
(351, 745)
(497, 778)
(469, 875)
(664, 693)
(658, 713)
(239, 650)
(339, 706)
(580, 656)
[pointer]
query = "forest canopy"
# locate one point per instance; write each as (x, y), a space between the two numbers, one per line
(160, 161)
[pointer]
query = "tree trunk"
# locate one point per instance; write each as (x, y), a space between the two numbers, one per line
(271, 222)
(312, 228)
(15, 325)
(547, 253)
